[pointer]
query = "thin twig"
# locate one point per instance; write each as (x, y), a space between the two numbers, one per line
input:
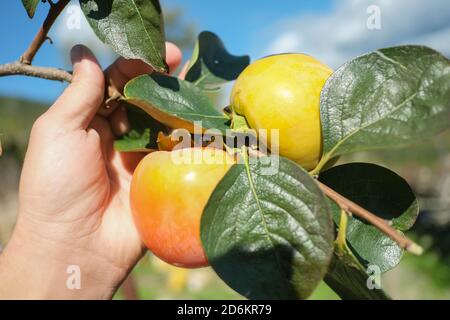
(24, 67)
(41, 36)
(18, 68)
(379, 223)
(349, 206)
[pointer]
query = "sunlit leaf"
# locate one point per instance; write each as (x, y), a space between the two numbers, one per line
(387, 98)
(133, 28)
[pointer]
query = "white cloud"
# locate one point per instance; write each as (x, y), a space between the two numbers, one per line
(287, 42)
(72, 28)
(341, 34)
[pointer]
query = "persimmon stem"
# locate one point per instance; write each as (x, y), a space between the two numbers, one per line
(349, 206)
(342, 232)
(42, 35)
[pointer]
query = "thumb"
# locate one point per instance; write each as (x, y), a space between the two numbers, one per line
(79, 103)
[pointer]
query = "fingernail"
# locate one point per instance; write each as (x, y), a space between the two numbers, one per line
(77, 55)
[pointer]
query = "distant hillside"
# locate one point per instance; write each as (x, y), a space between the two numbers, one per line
(16, 118)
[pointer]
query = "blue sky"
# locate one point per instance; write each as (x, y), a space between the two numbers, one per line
(243, 24)
(17, 32)
(331, 30)
(239, 23)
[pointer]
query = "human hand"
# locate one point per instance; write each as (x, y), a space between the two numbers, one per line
(73, 197)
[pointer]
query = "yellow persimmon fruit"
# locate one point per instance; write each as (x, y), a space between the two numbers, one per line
(283, 92)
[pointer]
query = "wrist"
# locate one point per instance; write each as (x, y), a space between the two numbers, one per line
(32, 267)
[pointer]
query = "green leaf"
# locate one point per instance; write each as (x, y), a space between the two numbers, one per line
(133, 28)
(349, 279)
(211, 65)
(387, 98)
(174, 102)
(30, 6)
(268, 233)
(383, 193)
(143, 134)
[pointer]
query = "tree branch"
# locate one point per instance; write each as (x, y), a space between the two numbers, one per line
(55, 9)
(349, 206)
(18, 68)
(379, 223)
